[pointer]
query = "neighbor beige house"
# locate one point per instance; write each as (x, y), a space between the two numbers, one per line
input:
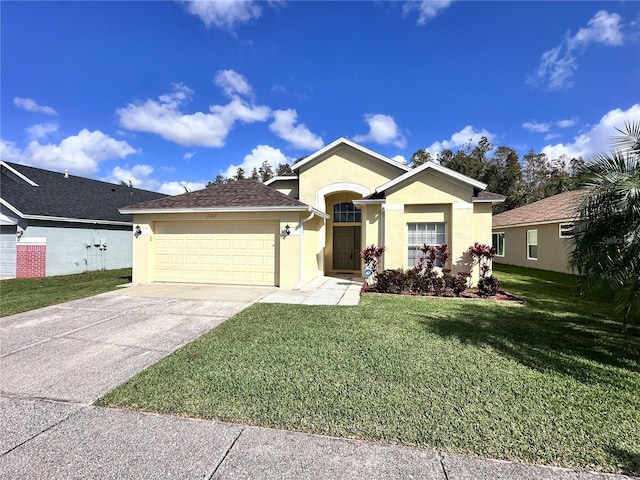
(537, 235)
(293, 229)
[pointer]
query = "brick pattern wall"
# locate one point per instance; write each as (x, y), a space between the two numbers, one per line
(31, 261)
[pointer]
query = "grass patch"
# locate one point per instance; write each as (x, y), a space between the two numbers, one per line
(23, 294)
(554, 381)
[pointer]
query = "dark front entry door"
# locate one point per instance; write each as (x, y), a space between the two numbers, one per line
(346, 248)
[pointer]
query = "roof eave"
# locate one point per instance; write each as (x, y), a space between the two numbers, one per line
(75, 220)
(18, 174)
(541, 222)
(492, 201)
(282, 178)
(147, 211)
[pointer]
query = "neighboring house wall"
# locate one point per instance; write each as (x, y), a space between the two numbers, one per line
(553, 251)
(71, 248)
(8, 250)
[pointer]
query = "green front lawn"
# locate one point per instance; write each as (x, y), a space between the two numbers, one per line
(20, 295)
(553, 381)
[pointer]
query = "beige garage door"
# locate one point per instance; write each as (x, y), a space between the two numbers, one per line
(214, 252)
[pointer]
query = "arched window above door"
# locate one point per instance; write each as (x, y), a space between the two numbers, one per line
(345, 212)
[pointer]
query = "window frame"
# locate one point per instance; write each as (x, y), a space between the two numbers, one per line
(562, 233)
(530, 244)
(355, 213)
(417, 245)
(498, 254)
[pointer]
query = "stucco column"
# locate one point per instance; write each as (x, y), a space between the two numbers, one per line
(395, 236)
(461, 234)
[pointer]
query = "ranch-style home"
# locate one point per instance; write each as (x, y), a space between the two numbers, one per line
(290, 230)
(54, 223)
(538, 235)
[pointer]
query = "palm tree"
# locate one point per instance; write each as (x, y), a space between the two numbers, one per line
(607, 237)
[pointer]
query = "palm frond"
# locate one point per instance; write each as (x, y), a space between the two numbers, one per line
(629, 141)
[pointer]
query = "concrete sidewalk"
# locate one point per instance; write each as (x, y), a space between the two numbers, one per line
(45, 439)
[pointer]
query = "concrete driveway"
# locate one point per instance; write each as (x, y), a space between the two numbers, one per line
(56, 361)
(78, 351)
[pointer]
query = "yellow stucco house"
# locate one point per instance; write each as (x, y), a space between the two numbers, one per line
(293, 229)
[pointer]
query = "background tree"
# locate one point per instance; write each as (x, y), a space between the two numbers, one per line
(607, 239)
(284, 169)
(218, 181)
(265, 172)
(239, 174)
(503, 175)
(419, 157)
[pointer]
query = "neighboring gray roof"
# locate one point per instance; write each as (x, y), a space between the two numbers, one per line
(67, 198)
(485, 196)
(235, 195)
(563, 206)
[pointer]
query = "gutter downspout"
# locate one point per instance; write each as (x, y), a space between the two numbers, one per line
(300, 248)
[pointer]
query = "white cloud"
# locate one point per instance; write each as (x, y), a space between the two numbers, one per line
(254, 160)
(80, 154)
(30, 105)
(176, 188)
(41, 130)
(11, 153)
(427, 9)
(602, 28)
(164, 116)
(559, 64)
(536, 127)
(460, 138)
(400, 159)
(598, 138)
(299, 136)
(233, 83)
(224, 14)
(188, 155)
(140, 176)
(566, 123)
(383, 130)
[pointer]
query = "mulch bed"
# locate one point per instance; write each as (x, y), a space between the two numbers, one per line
(469, 294)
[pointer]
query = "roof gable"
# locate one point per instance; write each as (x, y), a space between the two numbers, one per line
(563, 206)
(34, 193)
(413, 174)
(342, 142)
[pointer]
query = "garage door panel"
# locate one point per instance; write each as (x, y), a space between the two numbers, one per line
(239, 244)
(239, 260)
(216, 253)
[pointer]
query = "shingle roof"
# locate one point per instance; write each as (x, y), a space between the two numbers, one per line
(238, 194)
(73, 197)
(563, 206)
(485, 196)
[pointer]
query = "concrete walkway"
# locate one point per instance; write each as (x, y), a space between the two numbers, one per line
(321, 291)
(56, 361)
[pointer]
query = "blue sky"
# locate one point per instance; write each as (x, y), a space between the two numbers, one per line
(167, 94)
